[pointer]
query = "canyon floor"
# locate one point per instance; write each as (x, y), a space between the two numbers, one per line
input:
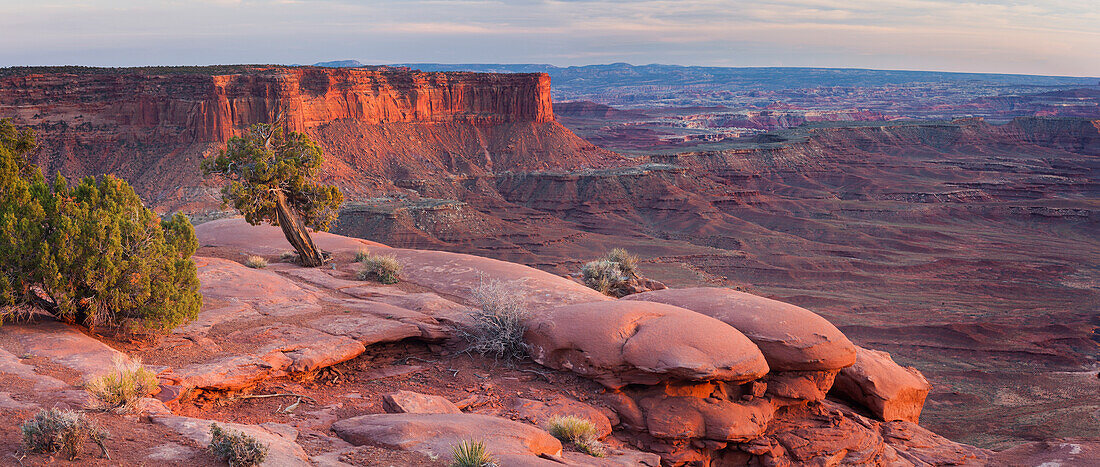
(966, 250)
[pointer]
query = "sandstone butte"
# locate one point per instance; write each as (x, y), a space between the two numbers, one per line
(678, 377)
(665, 385)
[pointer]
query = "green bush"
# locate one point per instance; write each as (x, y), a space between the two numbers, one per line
(93, 253)
(236, 448)
(471, 454)
(384, 269)
(580, 432)
(117, 391)
(56, 430)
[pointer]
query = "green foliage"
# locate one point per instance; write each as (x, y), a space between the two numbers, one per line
(471, 454)
(580, 432)
(236, 448)
(119, 390)
(499, 321)
(93, 253)
(56, 430)
(266, 162)
(384, 269)
(255, 262)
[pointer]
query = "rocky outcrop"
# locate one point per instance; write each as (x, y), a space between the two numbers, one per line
(790, 337)
(889, 390)
(631, 342)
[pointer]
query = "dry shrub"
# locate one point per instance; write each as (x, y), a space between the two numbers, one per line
(236, 448)
(65, 431)
(611, 272)
(499, 321)
(119, 390)
(255, 262)
(384, 269)
(471, 454)
(578, 431)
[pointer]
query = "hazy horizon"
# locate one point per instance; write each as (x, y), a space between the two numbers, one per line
(1053, 38)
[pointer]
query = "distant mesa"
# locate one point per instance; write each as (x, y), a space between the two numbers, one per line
(340, 64)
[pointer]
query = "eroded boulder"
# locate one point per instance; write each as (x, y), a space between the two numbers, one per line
(890, 391)
(635, 342)
(790, 337)
(414, 402)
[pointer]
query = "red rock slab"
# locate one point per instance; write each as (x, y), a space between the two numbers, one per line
(455, 274)
(414, 402)
(11, 365)
(435, 434)
(635, 342)
(231, 373)
(540, 412)
(265, 239)
(791, 337)
(268, 293)
(366, 329)
(282, 450)
(307, 349)
(890, 391)
(614, 458)
(65, 346)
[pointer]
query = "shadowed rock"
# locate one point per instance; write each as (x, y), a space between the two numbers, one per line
(634, 342)
(888, 390)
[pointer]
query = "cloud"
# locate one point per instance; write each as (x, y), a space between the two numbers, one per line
(1024, 36)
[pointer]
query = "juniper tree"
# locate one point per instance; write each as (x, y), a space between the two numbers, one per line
(93, 253)
(273, 178)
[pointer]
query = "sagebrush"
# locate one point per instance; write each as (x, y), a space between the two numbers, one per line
(471, 454)
(612, 273)
(236, 448)
(384, 269)
(580, 432)
(498, 321)
(118, 390)
(91, 253)
(54, 430)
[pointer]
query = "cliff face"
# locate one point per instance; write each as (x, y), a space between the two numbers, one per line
(215, 107)
(374, 124)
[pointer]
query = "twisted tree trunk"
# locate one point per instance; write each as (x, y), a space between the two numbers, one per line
(295, 231)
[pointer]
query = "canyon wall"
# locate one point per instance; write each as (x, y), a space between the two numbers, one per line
(153, 127)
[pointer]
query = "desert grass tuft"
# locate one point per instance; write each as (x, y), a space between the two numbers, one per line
(236, 448)
(611, 273)
(256, 262)
(384, 269)
(117, 391)
(499, 321)
(578, 431)
(471, 454)
(64, 431)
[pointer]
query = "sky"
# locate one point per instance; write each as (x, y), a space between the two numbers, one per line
(1051, 37)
